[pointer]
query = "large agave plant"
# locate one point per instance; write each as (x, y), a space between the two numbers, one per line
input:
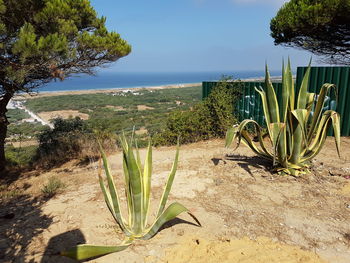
(297, 127)
(138, 190)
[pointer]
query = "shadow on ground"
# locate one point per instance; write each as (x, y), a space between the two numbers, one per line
(247, 163)
(21, 220)
(62, 242)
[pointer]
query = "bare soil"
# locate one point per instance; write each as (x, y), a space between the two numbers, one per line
(24, 143)
(64, 114)
(247, 213)
(144, 107)
(115, 108)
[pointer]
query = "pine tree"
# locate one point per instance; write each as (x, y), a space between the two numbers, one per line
(319, 26)
(42, 40)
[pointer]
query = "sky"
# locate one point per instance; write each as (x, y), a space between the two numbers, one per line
(197, 35)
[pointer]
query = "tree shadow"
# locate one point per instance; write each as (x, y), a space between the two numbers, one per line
(21, 220)
(247, 162)
(60, 243)
(11, 175)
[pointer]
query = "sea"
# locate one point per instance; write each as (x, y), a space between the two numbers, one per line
(118, 80)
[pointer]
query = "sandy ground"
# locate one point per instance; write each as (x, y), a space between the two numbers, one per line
(144, 107)
(80, 92)
(64, 114)
(24, 143)
(247, 214)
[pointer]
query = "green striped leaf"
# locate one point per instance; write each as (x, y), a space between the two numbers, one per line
(242, 134)
(271, 98)
(147, 174)
(336, 128)
(302, 96)
(112, 195)
(135, 191)
(318, 109)
(230, 136)
(276, 131)
(290, 85)
(301, 117)
(285, 95)
(168, 214)
(83, 252)
(169, 182)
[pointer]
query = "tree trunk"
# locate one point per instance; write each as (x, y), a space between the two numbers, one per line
(4, 100)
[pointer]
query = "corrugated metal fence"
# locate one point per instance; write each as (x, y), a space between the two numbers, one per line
(340, 76)
(249, 106)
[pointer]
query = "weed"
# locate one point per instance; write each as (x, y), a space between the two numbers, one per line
(53, 186)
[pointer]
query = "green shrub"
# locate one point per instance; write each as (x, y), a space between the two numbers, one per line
(208, 119)
(15, 115)
(25, 130)
(62, 143)
(23, 156)
(53, 186)
(71, 139)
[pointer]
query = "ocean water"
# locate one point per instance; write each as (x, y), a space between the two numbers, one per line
(115, 80)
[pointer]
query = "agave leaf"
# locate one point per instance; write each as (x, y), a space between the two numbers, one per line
(147, 174)
(168, 214)
(230, 136)
(310, 101)
(297, 140)
(290, 85)
(301, 117)
(113, 194)
(105, 192)
(138, 158)
(285, 95)
(82, 252)
(302, 96)
(125, 147)
(276, 131)
(248, 141)
(318, 109)
(319, 140)
(271, 99)
(336, 127)
(135, 191)
(321, 134)
(169, 182)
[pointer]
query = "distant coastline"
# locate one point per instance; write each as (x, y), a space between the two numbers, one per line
(94, 91)
(49, 93)
(128, 80)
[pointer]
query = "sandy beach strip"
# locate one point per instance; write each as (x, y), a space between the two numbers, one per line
(41, 94)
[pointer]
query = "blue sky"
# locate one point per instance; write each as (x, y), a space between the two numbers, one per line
(197, 35)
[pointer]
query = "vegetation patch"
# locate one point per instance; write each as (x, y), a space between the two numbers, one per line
(208, 119)
(53, 187)
(16, 115)
(20, 156)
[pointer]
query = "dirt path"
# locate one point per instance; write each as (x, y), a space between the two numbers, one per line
(247, 214)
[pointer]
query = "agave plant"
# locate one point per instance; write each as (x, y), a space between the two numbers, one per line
(297, 127)
(138, 190)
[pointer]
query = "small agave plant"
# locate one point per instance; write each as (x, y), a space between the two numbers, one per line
(296, 134)
(138, 190)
